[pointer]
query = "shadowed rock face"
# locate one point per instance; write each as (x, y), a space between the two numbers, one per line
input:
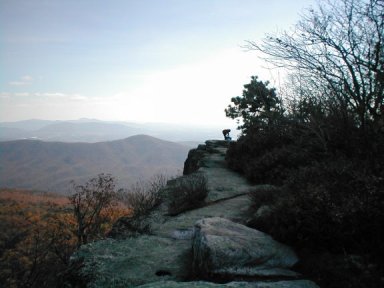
(192, 163)
(221, 245)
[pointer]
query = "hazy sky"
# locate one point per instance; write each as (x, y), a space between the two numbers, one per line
(132, 60)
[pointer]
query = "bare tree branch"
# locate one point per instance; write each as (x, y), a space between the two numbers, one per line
(341, 45)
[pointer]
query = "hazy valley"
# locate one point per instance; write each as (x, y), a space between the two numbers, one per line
(91, 130)
(50, 166)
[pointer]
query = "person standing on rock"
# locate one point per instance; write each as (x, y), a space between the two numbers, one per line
(226, 134)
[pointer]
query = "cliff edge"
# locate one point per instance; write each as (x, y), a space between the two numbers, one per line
(208, 246)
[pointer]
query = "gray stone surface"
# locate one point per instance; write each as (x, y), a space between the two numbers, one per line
(222, 247)
(201, 284)
(166, 254)
(134, 261)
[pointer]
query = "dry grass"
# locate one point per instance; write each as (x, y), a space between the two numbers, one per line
(25, 196)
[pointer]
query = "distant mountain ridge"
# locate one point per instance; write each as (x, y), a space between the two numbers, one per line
(92, 130)
(50, 166)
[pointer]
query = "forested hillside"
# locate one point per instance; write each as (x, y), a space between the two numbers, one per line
(36, 240)
(40, 231)
(50, 166)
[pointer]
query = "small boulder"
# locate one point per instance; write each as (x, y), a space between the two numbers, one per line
(222, 248)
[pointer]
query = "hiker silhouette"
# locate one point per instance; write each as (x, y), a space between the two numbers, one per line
(226, 134)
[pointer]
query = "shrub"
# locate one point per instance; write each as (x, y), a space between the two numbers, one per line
(142, 198)
(186, 193)
(335, 271)
(269, 155)
(276, 165)
(254, 145)
(264, 195)
(331, 177)
(334, 205)
(92, 204)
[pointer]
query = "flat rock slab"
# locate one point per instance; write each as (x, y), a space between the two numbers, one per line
(134, 261)
(234, 209)
(222, 247)
(224, 183)
(201, 284)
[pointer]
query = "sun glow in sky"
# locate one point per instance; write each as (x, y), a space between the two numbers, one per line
(177, 61)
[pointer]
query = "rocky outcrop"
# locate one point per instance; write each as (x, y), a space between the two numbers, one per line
(192, 163)
(224, 249)
(196, 157)
(207, 243)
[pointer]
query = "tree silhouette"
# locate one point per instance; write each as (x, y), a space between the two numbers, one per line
(91, 203)
(258, 106)
(339, 47)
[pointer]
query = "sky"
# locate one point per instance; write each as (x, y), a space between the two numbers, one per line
(172, 61)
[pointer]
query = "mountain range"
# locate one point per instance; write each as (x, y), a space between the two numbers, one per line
(50, 166)
(92, 130)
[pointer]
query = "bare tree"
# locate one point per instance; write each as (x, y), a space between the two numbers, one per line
(143, 196)
(90, 204)
(141, 199)
(339, 47)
